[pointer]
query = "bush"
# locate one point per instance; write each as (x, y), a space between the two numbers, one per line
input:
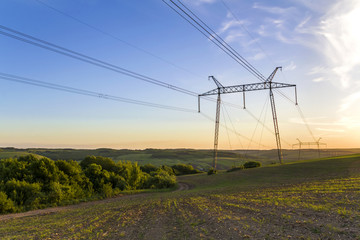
(148, 168)
(30, 182)
(168, 169)
(106, 163)
(6, 204)
(236, 168)
(183, 169)
(22, 192)
(212, 171)
(161, 179)
(42, 170)
(106, 190)
(252, 164)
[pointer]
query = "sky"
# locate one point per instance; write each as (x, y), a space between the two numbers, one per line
(316, 42)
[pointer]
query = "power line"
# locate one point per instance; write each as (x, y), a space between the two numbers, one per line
(115, 37)
(82, 57)
(227, 132)
(234, 131)
(203, 28)
(244, 28)
(94, 61)
(232, 125)
(18, 79)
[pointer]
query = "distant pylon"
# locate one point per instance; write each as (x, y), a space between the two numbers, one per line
(316, 143)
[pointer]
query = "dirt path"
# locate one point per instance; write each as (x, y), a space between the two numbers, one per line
(182, 187)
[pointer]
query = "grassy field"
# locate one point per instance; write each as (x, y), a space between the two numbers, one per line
(318, 199)
(200, 159)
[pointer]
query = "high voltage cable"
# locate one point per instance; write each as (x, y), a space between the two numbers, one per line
(227, 46)
(235, 132)
(232, 125)
(82, 57)
(245, 29)
(257, 124)
(265, 115)
(114, 37)
(203, 28)
(227, 132)
(14, 78)
(190, 17)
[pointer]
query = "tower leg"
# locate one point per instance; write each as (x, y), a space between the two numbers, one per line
(276, 127)
(217, 121)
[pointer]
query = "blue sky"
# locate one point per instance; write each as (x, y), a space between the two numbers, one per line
(316, 42)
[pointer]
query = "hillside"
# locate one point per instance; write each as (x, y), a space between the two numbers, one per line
(316, 199)
(200, 159)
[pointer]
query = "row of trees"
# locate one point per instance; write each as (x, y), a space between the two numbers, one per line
(30, 182)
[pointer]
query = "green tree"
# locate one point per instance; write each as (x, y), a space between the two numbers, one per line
(6, 204)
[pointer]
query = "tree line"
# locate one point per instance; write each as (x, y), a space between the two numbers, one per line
(30, 183)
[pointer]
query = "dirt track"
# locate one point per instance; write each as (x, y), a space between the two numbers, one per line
(182, 187)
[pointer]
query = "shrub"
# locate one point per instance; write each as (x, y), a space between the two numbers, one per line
(183, 169)
(106, 163)
(212, 171)
(6, 204)
(44, 170)
(13, 169)
(106, 190)
(22, 192)
(97, 176)
(168, 169)
(161, 179)
(236, 168)
(252, 164)
(148, 168)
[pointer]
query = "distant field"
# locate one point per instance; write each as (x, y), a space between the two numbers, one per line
(201, 159)
(315, 199)
(14, 154)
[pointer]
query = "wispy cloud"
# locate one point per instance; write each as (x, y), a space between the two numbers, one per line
(258, 56)
(199, 2)
(273, 10)
(330, 130)
(340, 31)
(290, 67)
(349, 101)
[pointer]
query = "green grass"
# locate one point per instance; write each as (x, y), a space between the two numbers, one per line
(15, 154)
(316, 199)
(200, 159)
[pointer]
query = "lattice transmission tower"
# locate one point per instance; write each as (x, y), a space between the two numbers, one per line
(267, 84)
(316, 143)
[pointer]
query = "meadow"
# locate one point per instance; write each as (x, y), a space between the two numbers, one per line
(315, 199)
(200, 159)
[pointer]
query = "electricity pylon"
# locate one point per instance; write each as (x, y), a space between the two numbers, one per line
(267, 84)
(316, 143)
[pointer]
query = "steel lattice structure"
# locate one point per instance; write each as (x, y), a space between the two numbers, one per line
(267, 84)
(316, 143)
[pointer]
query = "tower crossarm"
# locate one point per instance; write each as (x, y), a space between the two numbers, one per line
(247, 88)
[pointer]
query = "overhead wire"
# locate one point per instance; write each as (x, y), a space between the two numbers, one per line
(232, 125)
(245, 29)
(227, 131)
(203, 28)
(234, 131)
(264, 120)
(257, 124)
(91, 60)
(94, 61)
(115, 37)
(29, 81)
